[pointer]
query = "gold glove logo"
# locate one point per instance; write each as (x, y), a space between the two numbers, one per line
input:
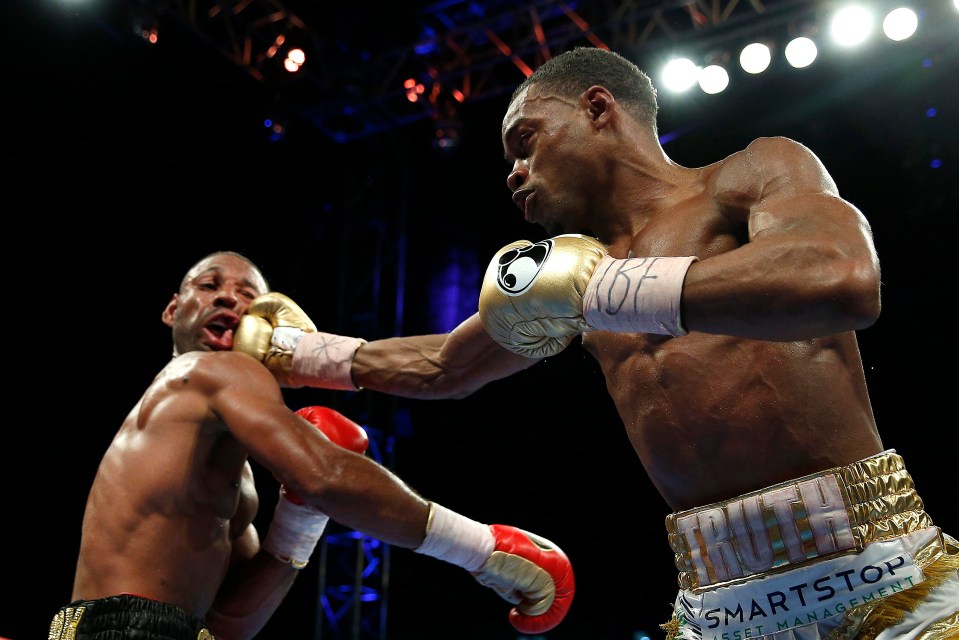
(518, 266)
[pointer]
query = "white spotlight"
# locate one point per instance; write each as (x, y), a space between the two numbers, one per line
(801, 52)
(900, 23)
(680, 74)
(713, 79)
(297, 56)
(755, 58)
(851, 25)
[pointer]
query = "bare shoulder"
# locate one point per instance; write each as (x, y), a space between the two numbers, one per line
(786, 164)
(769, 156)
(215, 370)
(767, 169)
(741, 179)
(773, 145)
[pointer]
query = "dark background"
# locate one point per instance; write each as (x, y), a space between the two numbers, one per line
(126, 163)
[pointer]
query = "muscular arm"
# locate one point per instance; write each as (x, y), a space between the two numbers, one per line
(252, 591)
(242, 396)
(363, 495)
(350, 488)
(452, 365)
(256, 582)
(810, 267)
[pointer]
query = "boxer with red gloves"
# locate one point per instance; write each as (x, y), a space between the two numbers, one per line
(169, 544)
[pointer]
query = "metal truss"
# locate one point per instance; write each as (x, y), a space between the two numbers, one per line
(354, 573)
(464, 51)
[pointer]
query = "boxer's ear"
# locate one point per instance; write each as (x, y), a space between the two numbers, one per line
(600, 103)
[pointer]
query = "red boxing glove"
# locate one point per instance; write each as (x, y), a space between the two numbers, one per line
(531, 572)
(338, 428)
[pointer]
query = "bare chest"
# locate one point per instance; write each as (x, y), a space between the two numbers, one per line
(712, 416)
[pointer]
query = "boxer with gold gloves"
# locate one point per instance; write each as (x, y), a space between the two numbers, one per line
(721, 303)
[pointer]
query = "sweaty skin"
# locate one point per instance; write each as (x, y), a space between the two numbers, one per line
(170, 512)
(769, 384)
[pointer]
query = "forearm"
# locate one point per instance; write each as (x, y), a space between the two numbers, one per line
(450, 365)
(809, 268)
(251, 593)
(363, 495)
(800, 291)
(277, 333)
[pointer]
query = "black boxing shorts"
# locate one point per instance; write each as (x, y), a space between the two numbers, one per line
(125, 617)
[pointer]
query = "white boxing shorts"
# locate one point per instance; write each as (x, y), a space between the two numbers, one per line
(844, 553)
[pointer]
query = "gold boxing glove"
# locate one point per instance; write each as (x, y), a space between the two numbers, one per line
(531, 301)
(270, 332)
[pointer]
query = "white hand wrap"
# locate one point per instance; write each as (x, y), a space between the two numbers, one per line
(637, 295)
(456, 539)
(294, 532)
(322, 359)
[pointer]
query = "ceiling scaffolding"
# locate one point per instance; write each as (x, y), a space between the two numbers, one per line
(468, 49)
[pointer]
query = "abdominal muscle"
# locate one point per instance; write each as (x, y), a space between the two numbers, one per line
(713, 417)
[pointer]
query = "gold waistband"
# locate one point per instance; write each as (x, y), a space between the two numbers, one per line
(825, 514)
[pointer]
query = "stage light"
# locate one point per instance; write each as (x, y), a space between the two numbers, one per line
(851, 25)
(275, 129)
(900, 23)
(147, 29)
(444, 104)
(275, 47)
(294, 59)
(680, 74)
(755, 58)
(713, 79)
(413, 89)
(447, 134)
(801, 52)
(296, 56)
